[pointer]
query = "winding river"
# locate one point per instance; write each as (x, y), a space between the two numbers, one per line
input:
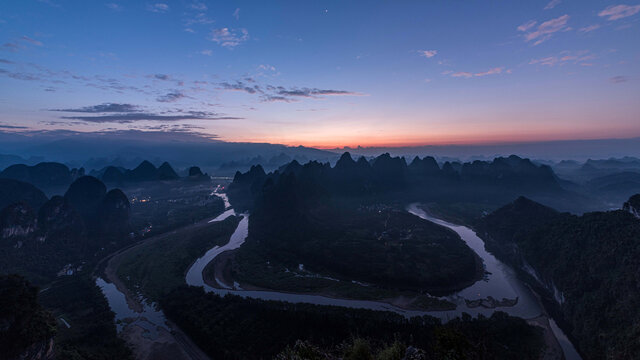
(500, 282)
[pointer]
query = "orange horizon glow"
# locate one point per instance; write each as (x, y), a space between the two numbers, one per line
(391, 142)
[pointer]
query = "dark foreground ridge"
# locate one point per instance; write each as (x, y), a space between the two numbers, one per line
(587, 266)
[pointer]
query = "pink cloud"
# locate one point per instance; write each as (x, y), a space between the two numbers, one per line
(545, 30)
(589, 28)
(526, 26)
(466, 74)
(428, 53)
(463, 74)
(578, 58)
(616, 12)
(493, 71)
(552, 4)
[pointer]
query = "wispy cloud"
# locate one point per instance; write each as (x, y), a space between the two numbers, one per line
(103, 108)
(552, 4)
(114, 6)
(428, 53)
(206, 52)
(31, 41)
(171, 97)
(616, 12)
(539, 34)
(20, 75)
(271, 93)
(577, 57)
(463, 74)
(619, 79)
(267, 67)
(199, 19)
(467, 74)
(229, 38)
(236, 14)
(198, 6)
(126, 118)
(158, 7)
(589, 28)
(16, 45)
(164, 77)
(15, 127)
(526, 26)
(493, 71)
(311, 92)
(241, 86)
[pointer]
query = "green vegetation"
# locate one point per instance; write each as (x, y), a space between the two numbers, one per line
(339, 238)
(238, 328)
(586, 265)
(92, 332)
(159, 265)
(251, 266)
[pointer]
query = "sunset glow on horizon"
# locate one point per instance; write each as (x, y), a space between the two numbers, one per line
(423, 73)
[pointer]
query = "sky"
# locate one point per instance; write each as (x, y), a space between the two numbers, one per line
(324, 73)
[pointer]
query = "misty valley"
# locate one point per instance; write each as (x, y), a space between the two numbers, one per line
(319, 180)
(372, 257)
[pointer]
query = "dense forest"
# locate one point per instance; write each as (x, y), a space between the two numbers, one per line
(239, 328)
(586, 265)
(298, 217)
(26, 328)
(42, 238)
(348, 221)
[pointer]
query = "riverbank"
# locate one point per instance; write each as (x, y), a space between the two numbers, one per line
(168, 341)
(218, 274)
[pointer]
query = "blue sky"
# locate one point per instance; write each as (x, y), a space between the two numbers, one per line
(324, 73)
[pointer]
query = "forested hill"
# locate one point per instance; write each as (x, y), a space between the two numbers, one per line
(587, 265)
(40, 236)
(492, 183)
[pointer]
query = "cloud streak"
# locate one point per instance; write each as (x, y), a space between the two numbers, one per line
(229, 38)
(271, 93)
(428, 53)
(468, 75)
(158, 7)
(552, 4)
(103, 108)
(616, 12)
(580, 58)
(544, 31)
(127, 118)
(619, 79)
(171, 97)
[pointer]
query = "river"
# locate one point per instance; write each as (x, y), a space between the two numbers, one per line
(500, 282)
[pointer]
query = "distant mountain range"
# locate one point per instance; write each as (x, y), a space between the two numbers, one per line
(126, 148)
(97, 150)
(492, 183)
(54, 178)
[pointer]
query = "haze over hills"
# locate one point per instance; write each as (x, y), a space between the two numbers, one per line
(319, 180)
(127, 148)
